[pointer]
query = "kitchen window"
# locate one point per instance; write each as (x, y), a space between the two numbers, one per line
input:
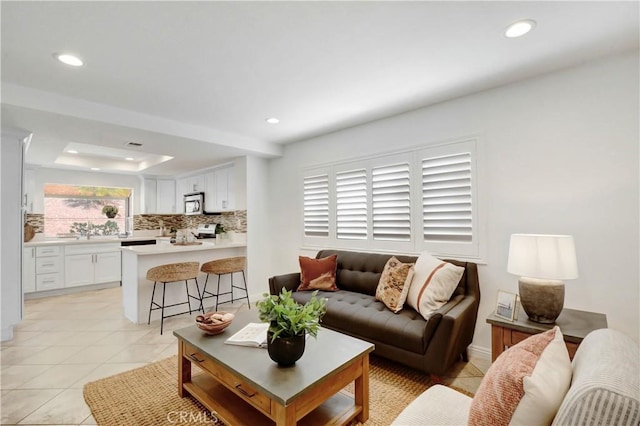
(407, 202)
(78, 210)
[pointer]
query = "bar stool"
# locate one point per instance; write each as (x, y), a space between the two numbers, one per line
(223, 267)
(173, 272)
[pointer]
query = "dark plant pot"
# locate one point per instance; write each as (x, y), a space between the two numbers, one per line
(111, 215)
(285, 350)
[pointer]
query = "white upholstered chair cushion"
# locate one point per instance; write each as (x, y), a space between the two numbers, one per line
(438, 405)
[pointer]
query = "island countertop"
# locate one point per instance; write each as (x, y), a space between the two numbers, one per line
(166, 248)
(137, 290)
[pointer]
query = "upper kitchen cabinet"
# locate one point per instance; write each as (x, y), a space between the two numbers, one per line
(194, 184)
(220, 189)
(218, 185)
(29, 189)
(166, 196)
(150, 196)
(160, 196)
(188, 185)
(224, 193)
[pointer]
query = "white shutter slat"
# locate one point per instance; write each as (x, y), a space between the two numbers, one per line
(351, 205)
(391, 205)
(316, 206)
(447, 198)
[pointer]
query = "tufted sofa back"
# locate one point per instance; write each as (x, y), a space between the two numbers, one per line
(360, 272)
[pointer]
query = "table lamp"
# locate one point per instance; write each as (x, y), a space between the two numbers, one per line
(542, 261)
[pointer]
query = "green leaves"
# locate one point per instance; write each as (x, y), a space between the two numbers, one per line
(289, 318)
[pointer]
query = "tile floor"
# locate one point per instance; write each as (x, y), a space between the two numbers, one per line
(67, 341)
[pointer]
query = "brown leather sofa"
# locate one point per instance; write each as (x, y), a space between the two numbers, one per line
(430, 345)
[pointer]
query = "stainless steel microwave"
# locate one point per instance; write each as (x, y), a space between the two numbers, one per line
(194, 203)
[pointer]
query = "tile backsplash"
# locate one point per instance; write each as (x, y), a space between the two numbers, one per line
(35, 220)
(231, 221)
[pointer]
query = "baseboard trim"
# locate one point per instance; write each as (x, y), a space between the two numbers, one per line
(479, 352)
(6, 333)
(69, 290)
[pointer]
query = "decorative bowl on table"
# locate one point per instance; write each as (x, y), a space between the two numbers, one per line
(213, 323)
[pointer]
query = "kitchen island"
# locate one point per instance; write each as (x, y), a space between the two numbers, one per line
(137, 260)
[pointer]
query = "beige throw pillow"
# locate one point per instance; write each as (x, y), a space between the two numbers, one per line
(526, 384)
(434, 281)
(394, 284)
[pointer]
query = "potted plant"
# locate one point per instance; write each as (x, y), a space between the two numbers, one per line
(220, 231)
(289, 323)
(110, 211)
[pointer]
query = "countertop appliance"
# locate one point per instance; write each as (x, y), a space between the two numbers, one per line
(137, 243)
(206, 231)
(194, 203)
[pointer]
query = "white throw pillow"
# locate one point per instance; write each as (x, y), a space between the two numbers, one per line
(547, 385)
(434, 281)
(525, 385)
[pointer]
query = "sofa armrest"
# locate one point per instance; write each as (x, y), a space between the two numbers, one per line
(454, 333)
(288, 281)
(605, 387)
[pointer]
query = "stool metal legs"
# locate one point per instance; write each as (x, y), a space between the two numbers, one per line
(206, 294)
(153, 306)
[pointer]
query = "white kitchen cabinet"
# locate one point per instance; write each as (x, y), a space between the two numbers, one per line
(224, 195)
(209, 191)
(29, 269)
(166, 191)
(150, 196)
(92, 264)
(107, 267)
(29, 189)
(49, 267)
(79, 268)
(217, 184)
(181, 189)
(194, 184)
(189, 185)
(159, 196)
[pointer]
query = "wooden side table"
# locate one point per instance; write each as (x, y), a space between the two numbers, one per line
(575, 325)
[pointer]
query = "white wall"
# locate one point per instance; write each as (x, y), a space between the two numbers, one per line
(260, 247)
(561, 156)
(240, 182)
(43, 176)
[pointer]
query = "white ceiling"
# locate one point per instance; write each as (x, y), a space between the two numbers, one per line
(196, 80)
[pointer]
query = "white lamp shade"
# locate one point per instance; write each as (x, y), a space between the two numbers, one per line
(550, 257)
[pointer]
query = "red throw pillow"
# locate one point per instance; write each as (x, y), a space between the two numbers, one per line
(318, 274)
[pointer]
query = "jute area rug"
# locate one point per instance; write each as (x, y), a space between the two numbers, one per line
(149, 396)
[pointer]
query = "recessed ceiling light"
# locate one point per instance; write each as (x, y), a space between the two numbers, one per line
(72, 151)
(68, 59)
(95, 168)
(128, 158)
(272, 120)
(520, 28)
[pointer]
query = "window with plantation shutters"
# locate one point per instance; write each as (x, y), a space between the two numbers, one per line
(447, 198)
(316, 206)
(406, 202)
(391, 202)
(351, 205)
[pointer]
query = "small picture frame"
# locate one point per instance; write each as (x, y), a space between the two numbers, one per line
(506, 305)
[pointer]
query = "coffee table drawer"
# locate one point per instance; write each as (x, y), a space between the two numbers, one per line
(239, 387)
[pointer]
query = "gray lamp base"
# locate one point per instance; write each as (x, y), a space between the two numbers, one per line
(542, 300)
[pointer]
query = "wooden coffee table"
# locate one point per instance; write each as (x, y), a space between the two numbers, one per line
(243, 386)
